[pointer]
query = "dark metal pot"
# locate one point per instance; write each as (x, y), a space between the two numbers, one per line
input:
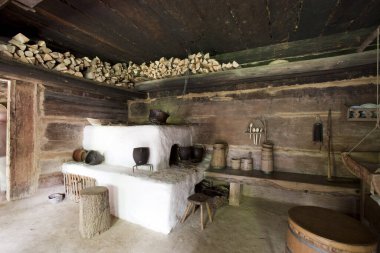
(94, 157)
(141, 155)
(197, 153)
(158, 117)
(185, 153)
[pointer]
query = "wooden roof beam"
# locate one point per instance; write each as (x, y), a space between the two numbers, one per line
(368, 40)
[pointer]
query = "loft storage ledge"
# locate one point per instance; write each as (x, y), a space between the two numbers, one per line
(12, 69)
(250, 75)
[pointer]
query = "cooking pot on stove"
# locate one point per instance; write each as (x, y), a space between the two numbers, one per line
(185, 153)
(158, 117)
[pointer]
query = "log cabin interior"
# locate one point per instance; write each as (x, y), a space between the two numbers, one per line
(189, 126)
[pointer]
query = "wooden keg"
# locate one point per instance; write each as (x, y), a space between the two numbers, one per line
(267, 158)
(246, 164)
(219, 156)
(320, 230)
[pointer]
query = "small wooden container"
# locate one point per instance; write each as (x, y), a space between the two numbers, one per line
(246, 164)
(235, 163)
(314, 229)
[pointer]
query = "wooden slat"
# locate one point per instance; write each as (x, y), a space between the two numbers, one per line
(285, 180)
(21, 141)
(15, 70)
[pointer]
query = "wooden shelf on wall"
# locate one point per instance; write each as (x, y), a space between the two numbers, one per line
(286, 181)
(14, 70)
(306, 71)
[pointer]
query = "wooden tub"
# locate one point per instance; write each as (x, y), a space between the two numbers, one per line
(320, 230)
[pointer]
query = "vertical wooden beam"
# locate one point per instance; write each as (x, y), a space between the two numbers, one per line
(21, 162)
(234, 199)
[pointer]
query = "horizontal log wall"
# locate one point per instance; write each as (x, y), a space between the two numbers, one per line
(63, 114)
(290, 111)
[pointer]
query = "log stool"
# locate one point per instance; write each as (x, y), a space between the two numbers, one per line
(197, 199)
(94, 211)
(314, 230)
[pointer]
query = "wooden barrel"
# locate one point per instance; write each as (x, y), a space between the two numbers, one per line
(219, 155)
(320, 230)
(267, 158)
(246, 164)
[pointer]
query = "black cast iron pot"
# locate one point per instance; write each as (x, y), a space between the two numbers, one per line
(141, 155)
(158, 117)
(185, 153)
(197, 153)
(94, 157)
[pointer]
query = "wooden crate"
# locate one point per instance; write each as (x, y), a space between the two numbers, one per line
(74, 183)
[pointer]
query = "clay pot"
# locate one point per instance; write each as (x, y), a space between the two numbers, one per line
(93, 158)
(158, 117)
(197, 153)
(141, 155)
(79, 155)
(185, 153)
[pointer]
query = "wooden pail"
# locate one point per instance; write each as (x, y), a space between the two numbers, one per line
(320, 230)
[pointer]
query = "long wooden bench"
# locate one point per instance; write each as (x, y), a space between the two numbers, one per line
(282, 180)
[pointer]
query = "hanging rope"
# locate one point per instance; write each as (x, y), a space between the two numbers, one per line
(377, 126)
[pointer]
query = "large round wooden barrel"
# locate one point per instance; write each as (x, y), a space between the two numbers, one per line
(320, 230)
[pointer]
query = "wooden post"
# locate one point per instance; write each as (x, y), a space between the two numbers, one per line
(234, 194)
(94, 211)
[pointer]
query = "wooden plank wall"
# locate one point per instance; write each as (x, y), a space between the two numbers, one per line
(23, 172)
(62, 117)
(290, 111)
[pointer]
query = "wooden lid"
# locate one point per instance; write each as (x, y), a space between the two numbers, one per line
(331, 225)
(93, 190)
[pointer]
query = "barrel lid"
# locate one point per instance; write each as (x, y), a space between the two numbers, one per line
(331, 225)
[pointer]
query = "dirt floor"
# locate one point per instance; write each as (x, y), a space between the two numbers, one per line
(35, 225)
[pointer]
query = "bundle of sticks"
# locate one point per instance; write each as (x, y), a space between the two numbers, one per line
(120, 74)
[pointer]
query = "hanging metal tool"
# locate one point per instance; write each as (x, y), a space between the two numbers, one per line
(318, 131)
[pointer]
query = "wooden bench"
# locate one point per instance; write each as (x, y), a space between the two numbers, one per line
(281, 180)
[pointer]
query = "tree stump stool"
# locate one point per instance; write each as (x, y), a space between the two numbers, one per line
(94, 211)
(197, 199)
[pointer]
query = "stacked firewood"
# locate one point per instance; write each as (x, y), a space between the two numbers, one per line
(119, 74)
(163, 68)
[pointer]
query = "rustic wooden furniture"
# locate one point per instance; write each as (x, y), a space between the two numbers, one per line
(94, 211)
(281, 180)
(315, 229)
(75, 183)
(197, 199)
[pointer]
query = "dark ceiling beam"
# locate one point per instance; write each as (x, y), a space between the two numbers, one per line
(73, 26)
(298, 49)
(3, 3)
(368, 40)
(11, 69)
